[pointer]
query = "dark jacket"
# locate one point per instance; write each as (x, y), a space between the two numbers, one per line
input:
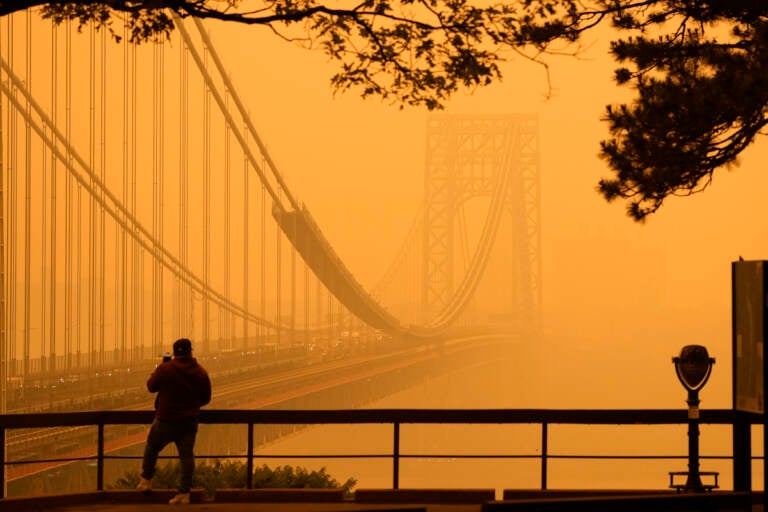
(183, 386)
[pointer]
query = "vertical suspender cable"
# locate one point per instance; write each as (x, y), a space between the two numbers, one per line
(155, 196)
(307, 301)
(54, 188)
(318, 302)
(245, 247)
(93, 276)
(67, 201)
(102, 239)
(330, 317)
(123, 289)
(79, 324)
(3, 337)
(279, 282)
(27, 201)
(186, 296)
(263, 297)
(227, 226)
(12, 222)
(160, 191)
(206, 208)
(293, 294)
(137, 262)
(43, 255)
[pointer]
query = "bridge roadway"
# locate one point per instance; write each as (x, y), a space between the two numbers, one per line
(279, 388)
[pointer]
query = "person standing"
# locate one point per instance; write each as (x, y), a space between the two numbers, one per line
(182, 386)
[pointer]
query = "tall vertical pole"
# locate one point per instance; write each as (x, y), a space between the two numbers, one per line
(3, 334)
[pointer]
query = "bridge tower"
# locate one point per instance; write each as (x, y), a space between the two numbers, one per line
(464, 155)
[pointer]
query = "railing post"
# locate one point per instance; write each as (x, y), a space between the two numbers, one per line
(249, 461)
(544, 438)
(742, 454)
(100, 457)
(396, 457)
(2, 460)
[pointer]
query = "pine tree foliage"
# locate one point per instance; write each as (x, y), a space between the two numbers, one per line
(697, 67)
(700, 72)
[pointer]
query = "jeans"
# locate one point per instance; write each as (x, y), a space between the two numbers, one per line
(182, 433)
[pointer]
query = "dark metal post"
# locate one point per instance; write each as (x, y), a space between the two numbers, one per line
(100, 457)
(544, 441)
(396, 457)
(2, 461)
(249, 461)
(742, 454)
(693, 368)
(693, 483)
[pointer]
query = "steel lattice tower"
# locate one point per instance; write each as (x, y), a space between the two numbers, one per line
(464, 156)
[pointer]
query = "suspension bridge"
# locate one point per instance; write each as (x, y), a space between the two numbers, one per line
(139, 205)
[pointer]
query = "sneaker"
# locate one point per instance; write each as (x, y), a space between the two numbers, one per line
(180, 499)
(145, 485)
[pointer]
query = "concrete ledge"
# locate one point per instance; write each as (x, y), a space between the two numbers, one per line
(128, 497)
(278, 495)
(524, 494)
(431, 496)
(658, 502)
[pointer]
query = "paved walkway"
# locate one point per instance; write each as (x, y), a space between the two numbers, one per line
(132, 501)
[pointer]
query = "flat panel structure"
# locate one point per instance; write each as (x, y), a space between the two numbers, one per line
(749, 326)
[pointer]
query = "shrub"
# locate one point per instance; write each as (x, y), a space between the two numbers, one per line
(231, 475)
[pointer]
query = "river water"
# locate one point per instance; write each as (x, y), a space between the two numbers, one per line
(528, 376)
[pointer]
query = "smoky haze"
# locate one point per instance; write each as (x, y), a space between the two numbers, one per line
(619, 297)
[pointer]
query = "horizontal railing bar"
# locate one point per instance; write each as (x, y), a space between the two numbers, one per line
(629, 457)
(383, 456)
(421, 416)
(46, 461)
(431, 456)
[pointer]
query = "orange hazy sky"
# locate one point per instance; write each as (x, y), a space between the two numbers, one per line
(635, 293)
(620, 292)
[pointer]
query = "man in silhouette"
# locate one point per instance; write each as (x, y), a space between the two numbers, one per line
(182, 387)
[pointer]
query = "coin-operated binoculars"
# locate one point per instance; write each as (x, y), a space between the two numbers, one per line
(693, 368)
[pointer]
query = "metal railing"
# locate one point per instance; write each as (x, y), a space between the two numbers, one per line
(741, 423)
